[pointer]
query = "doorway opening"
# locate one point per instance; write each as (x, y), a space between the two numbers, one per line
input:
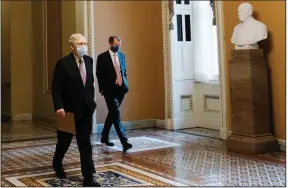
(196, 98)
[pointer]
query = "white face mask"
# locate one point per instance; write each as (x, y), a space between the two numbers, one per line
(82, 50)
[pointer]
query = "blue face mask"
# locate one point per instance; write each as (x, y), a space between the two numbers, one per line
(82, 50)
(114, 48)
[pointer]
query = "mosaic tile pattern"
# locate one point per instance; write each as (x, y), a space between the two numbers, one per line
(29, 143)
(227, 168)
(109, 175)
(142, 143)
(202, 132)
(34, 157)
(192, 139)
(114, 179)
(25, 130)
(193, 160)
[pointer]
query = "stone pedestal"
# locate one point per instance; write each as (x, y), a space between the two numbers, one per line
(250, 115)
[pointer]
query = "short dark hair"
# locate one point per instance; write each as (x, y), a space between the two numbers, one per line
(112, 38)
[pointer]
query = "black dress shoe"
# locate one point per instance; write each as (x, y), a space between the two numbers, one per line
(90, 183)
(106, 142)
(59, 171)
(126, 146)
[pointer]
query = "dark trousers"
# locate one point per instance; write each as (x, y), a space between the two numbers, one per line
(83, 129)
(113, 101)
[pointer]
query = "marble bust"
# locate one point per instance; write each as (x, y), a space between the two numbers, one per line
(250, 31)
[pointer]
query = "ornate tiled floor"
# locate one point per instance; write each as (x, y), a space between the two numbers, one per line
(202, 132)
(108, 175)
(159, 158)
(25, 130)
(227, 168)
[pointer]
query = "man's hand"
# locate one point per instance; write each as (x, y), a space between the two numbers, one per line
(61, 112)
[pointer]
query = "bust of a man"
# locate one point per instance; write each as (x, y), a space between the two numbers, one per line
(249, 31)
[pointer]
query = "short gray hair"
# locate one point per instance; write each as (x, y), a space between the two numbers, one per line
(74, 37)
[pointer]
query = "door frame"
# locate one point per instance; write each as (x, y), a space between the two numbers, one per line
(168, 73)
(224, 129)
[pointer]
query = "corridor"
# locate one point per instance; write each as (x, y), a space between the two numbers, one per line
(173, 85)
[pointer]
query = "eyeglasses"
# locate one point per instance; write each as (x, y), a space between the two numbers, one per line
(81, 44)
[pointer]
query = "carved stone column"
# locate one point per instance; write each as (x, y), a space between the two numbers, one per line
(167, 65)
(250, 116)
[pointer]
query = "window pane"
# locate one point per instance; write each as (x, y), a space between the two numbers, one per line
(186, 2)
(178, 1)
(188, 27)
(179, 28)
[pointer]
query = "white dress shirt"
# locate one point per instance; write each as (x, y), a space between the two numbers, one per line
(77, 61)
(112, 56)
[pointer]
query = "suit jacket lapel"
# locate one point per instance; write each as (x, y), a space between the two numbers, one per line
(109, 58)
(120, 62)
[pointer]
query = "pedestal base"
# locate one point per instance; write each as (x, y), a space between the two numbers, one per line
(250, 145)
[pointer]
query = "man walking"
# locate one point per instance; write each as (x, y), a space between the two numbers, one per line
(112, 82)
(73, 91)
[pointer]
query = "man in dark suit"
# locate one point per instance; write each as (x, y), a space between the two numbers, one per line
(112, 82)
(73, 91)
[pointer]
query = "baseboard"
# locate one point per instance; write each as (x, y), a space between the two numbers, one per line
(149, 123)
(5, 117)
(22, 117)
(282, 144)
(160, 123)
(184, 123)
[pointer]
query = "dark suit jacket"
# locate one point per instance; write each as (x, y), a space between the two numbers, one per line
(68, 90)
(106, 74)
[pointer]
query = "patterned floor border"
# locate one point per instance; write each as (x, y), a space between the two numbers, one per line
(113, 174)
(159, 172)
(142, 143)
